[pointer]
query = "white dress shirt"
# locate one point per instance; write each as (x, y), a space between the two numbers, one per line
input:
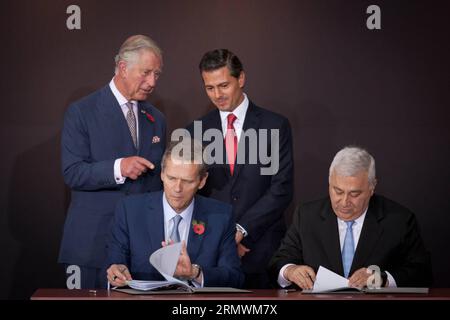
(342, 228)
(239, 112)
(184, 226)
(123, 105)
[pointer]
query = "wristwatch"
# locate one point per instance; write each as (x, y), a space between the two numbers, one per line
(196, 266)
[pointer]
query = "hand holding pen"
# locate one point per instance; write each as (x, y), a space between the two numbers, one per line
(118, 275)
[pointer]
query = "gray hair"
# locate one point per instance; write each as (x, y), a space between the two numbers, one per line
(186, 150)
(352, 160)
(129, 50)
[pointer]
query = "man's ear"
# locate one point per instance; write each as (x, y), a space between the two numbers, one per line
(203, 181)
(241, 79)
(122, 67)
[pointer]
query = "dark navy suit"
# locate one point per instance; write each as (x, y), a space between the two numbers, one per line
(95, 134)
(138, 231)
(390, 239)
(258, 201)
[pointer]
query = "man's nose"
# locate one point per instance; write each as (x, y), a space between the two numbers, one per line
(151, 79)
(217, 93)
(345, 199)
(177, 186)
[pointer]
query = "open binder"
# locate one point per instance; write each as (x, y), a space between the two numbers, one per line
(329, 282)
(165, 261)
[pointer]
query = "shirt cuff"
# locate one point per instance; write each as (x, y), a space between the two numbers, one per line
(117, 172)
(281, 279)
(199, 284)
(241, 229)
(392, 283)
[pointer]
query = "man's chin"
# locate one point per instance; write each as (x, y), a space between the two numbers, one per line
(223, 107)
(141, 97)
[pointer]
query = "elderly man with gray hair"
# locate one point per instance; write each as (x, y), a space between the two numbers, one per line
(351, 230)
(112, 144)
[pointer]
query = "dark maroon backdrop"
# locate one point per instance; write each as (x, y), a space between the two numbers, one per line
(313, 61)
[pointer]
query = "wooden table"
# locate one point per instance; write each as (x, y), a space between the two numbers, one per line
(266, 295)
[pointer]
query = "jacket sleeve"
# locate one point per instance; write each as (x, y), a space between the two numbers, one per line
(227, 272)
(118, 245)
(270, 207)
(80, 171)
(290, 250)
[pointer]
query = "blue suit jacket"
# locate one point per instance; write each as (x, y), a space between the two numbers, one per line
(95, 134)
(138, 231)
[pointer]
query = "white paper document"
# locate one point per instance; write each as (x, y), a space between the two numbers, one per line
(165, 261)
(327, 281)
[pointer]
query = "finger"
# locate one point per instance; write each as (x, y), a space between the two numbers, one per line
(127, 274)
(301, 283)
(356, 280)
(138, 167)
(145, 163)
(132, 176)
(164, 243)
(183, 248)
(118, 282)
(310, 272)
(308, 282)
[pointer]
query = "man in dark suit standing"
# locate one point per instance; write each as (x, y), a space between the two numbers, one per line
(351, 230)
(112, 144)
(259, 195)
(143, 223)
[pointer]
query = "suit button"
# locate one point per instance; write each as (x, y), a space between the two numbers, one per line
(235, 198)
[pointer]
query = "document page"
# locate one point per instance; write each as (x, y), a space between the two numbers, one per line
(165, 261)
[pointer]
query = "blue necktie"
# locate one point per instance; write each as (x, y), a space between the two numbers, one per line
(349, 248)
(175, 235)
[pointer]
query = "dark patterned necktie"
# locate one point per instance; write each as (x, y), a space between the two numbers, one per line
(131, 120)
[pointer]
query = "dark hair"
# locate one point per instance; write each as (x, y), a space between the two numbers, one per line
(219, 58)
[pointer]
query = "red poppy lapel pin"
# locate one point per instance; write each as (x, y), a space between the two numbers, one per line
(198, 227)
(148, 115)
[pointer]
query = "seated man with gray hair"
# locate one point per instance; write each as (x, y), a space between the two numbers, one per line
(351, 230)
(144, 223)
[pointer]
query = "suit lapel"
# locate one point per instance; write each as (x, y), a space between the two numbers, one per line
(370, 233)
(195, 240)
(214, 122)
(155, 219)
(113, 115)
(146, 128)
(330, 239)
(251, 121)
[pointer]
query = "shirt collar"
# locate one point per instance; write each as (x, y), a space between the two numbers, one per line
(169, 213)
(239, 112)
(358, 221)
(119, 96)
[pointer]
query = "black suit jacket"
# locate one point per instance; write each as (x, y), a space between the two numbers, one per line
(258, 201)
(390, 239)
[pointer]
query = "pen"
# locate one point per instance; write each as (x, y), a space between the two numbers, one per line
(289, 290)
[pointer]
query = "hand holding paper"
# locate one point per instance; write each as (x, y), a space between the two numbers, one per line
(302, 275)
(184, 266)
